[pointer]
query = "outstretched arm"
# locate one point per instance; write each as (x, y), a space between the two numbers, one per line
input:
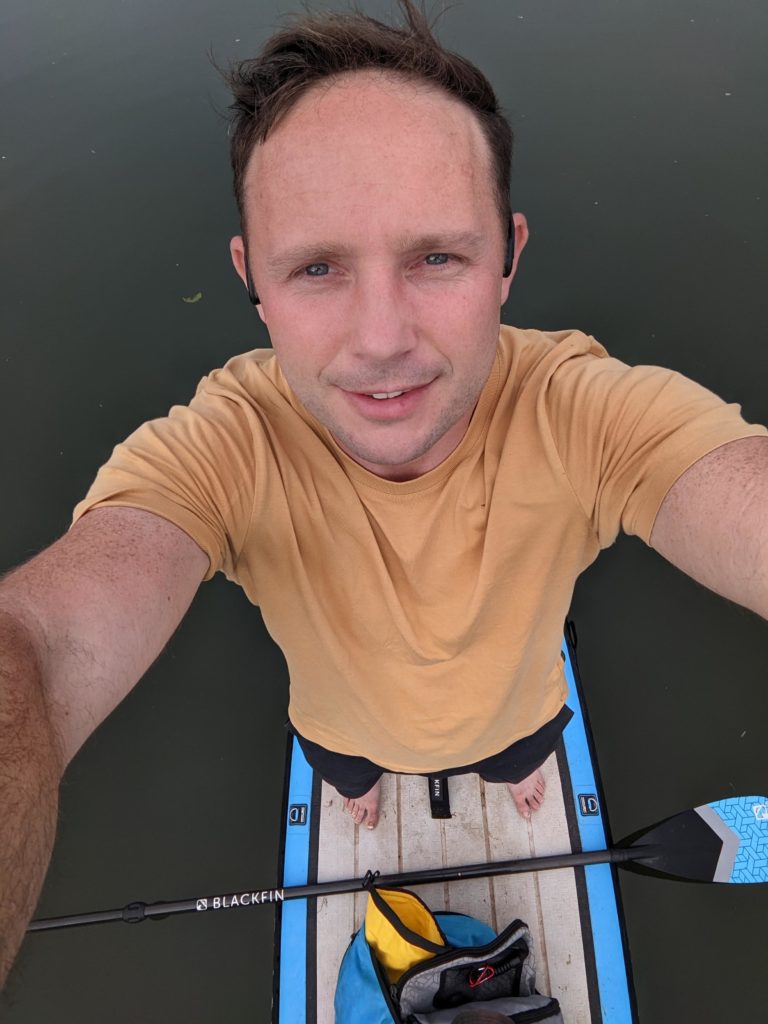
(79, 625)
(713, 523)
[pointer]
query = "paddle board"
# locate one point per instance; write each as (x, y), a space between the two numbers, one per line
(574, 914)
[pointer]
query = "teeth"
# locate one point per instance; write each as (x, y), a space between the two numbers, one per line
(387, 394)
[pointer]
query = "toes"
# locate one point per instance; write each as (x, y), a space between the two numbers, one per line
(372, 819)
(528, 794)
(536, 797)
(522, 806)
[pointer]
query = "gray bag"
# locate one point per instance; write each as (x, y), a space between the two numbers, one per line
(503, 973)
(503, 967)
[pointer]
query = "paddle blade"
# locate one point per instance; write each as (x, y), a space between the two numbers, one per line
(725, 841)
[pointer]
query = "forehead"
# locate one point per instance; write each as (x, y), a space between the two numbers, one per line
(368, 141)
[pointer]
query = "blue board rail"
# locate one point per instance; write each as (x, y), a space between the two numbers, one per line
(612, 973)
(290, 994)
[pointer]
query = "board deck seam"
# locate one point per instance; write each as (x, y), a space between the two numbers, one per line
(399, 825)
(537, 888)
(487, 839)
(444, 862)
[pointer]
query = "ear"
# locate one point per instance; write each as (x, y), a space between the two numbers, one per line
(237, 252)
(520, 226)
(240, 261)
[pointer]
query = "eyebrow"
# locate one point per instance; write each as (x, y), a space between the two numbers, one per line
(472, 241)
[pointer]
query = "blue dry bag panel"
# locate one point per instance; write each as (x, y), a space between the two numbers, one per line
(362, 993)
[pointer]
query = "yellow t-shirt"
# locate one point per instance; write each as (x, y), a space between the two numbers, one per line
(422, 621)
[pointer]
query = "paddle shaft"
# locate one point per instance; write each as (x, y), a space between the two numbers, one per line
(136, 912)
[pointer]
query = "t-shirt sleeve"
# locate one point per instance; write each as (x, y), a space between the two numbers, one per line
(625, 434)
(195, 468)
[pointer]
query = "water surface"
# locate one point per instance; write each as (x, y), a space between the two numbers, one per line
(641, 163)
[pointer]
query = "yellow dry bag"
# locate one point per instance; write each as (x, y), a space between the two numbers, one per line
(401, 930)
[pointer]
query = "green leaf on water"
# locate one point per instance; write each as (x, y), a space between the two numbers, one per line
(192, 298)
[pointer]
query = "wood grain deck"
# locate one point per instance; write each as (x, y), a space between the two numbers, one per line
(484, 827)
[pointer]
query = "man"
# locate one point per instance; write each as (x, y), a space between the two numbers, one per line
(407, 491)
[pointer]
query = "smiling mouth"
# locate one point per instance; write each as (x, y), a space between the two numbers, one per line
(381, 404)
(381, 395)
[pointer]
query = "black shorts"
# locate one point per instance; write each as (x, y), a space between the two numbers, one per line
(354, 776)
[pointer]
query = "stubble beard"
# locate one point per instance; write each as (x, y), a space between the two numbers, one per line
(394, 454)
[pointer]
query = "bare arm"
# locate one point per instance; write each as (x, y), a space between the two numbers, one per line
(79, 625)
(713, 523)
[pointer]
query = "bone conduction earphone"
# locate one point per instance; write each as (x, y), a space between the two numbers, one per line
(509, 259)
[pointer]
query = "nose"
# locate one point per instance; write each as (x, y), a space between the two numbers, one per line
(381, 325)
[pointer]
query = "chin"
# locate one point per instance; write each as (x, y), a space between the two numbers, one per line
(389, 454)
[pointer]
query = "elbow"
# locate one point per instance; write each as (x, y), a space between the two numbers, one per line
(25, 706)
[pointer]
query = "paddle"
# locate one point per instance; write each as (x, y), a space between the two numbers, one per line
(725, 841)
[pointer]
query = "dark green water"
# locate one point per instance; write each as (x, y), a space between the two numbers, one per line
(642, 164)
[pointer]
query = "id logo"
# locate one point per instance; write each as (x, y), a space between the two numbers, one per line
(588, 805)
(760, 811)
(202, 905)
(297, 814)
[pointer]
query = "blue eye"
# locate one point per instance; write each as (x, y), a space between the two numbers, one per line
(437, 259)
(316, 269)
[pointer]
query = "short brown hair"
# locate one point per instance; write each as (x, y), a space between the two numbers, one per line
(324, 44)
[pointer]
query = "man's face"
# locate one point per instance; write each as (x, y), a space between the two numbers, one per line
(376, 249)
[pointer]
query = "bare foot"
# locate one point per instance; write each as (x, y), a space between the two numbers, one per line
(365, 807)
(528, 794)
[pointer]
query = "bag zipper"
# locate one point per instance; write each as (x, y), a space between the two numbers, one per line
(471, 951)
(386, 989)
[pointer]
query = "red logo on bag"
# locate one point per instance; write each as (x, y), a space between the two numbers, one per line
(483, 975)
